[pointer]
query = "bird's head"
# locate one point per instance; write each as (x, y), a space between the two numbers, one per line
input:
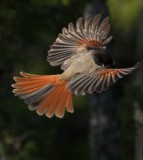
(101, 56)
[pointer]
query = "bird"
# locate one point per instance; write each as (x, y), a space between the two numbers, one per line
(88, 67)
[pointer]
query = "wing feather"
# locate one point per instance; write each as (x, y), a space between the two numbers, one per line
(98, 80)
(87, 32)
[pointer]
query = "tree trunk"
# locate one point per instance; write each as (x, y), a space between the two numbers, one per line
(138, 110)
(104, 119)
(104, 127)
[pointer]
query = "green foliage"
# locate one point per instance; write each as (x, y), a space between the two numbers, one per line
(125, 13)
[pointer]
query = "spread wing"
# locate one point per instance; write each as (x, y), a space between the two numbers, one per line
(88, 32)
(98, 80)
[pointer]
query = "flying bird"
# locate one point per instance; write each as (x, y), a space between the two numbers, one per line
(87, 68)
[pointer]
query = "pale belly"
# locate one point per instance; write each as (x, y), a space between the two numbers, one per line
(83, 64)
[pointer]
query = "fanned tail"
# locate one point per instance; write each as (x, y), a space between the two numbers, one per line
(47, 95)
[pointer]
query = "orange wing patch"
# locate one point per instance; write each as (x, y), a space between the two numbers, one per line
(87, 44)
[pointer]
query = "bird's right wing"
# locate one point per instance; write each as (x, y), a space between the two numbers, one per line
(98, 80)
(88, 32)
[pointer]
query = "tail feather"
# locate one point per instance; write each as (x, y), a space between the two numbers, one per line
(53, 107)
(27, 74)
(28, 83)
(47, 95)
(42, 105)
(37, 95)
(47, 102)
(61, 107)
(29, 89)
(69, 105)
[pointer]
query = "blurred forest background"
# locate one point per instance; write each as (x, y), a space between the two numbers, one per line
(108, 126)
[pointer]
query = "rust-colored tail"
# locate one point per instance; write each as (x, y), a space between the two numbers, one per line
(47, 95)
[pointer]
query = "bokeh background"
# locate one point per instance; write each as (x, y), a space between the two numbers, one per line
(108, 126)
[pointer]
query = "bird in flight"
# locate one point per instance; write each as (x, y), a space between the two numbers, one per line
(87, 68)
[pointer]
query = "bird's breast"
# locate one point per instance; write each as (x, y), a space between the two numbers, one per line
(82, 64)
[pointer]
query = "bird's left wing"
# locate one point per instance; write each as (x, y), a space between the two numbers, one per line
(98, 80)
(88, 32)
